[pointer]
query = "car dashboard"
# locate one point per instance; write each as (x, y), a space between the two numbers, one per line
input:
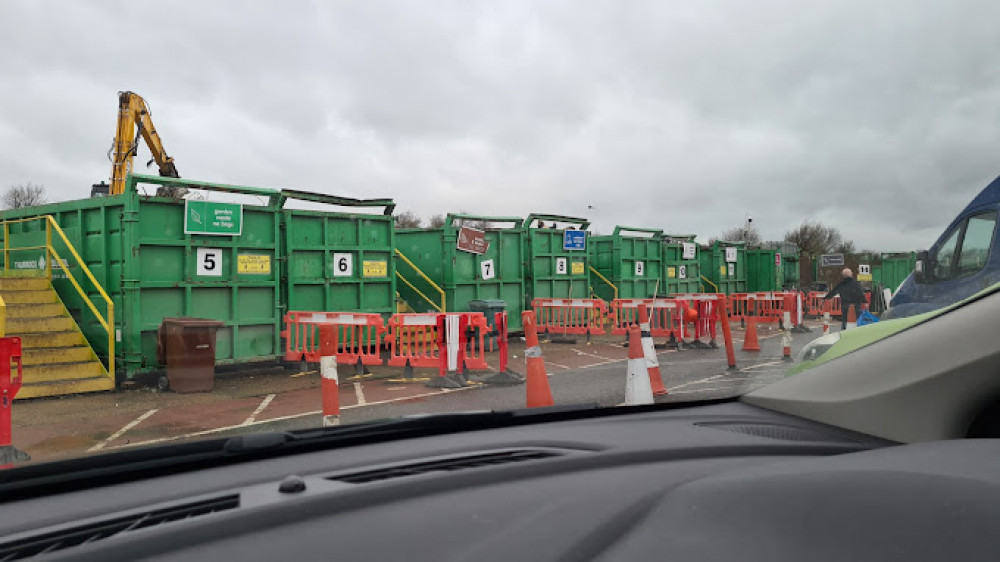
(716, 482)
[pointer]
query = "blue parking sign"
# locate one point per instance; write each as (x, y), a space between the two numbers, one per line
(574, 240)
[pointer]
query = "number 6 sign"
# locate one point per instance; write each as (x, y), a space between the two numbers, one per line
(343, 265)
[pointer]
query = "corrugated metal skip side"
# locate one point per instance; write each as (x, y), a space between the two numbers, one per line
(152, 266)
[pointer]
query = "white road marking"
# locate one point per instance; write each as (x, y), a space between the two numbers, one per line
(768, 364)
(578, 352)
(359, 394)
(121, 431)
(260, 408)
(557, 365)
(699, 381)
(281, 418)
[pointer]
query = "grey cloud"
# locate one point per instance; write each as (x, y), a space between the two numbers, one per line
(880, 119)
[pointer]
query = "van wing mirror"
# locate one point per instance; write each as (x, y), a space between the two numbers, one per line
(923, 267)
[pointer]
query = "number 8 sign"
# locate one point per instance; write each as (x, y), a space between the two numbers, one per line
(343, 265)
(561, 266)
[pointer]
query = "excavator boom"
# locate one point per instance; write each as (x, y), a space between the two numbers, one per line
(133, 114)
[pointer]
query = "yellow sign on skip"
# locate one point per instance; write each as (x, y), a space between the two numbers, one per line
(374, 268)
(253, 264)
(722, 271)
(671, 272)
(577, 268)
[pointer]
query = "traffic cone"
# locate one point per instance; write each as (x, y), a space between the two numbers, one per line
(637, 387)
(786, 346)
(750, 342)
(538, 392)
(652, 363)
(329, 386)
(852, 317)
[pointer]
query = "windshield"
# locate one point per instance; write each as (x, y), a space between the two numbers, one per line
(228, 217)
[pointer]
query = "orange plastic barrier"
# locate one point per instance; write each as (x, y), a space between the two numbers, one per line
(707, 305)
(570, 316)
(414, 339)
(358, 336)
(419, 338)
(663, 316)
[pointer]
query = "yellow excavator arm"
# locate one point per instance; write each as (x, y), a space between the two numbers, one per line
(133, 113)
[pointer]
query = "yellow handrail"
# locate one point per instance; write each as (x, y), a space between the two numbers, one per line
(710, 283)
(440, 291)
(3, 318)
(108, 321)
(417, 291)
(605, 279)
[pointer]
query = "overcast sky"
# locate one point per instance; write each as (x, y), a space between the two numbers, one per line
(879, 118)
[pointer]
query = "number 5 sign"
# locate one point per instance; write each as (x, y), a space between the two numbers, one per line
(209, 262)
(343, 265)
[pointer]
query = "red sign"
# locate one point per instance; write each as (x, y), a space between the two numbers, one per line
(472, 240)
(777, 259)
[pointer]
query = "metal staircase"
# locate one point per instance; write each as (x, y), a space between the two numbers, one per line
(57, 358)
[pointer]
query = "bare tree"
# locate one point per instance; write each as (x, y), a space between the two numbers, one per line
(408, 219)
(815, 238)
(437, 221)
(747, 234)
(23, 195)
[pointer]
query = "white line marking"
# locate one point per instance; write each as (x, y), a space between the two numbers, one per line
(121, 431)
(706, 379)
(756, 365)
(289, 417)
(578, 352)
(359, 394)
(260, 408)
(557, 365)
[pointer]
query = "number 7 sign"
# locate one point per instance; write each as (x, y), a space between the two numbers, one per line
(488, 270)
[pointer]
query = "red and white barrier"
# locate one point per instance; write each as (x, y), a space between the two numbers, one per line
(563, 317)
(330, 382)
(357, 337)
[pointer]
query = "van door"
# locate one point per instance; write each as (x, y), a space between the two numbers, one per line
(960, 264)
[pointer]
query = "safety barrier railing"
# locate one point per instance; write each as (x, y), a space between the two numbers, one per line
(664, 315)
(570, 316)
(707, 313)
(3, 318)
(358, 336)
(106, 321)
(463, 336)
(413, 340)
(706, 280)
(441, 306)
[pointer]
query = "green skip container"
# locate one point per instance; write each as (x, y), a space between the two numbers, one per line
(681, 264)
(627, 266)
(764, 270)
(430, 262)
(244, 264)
(556, 257)
(724, 264)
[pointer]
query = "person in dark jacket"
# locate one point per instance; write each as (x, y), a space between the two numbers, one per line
(851, 293)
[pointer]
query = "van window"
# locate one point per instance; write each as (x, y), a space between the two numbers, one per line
(946, 255)
(976, 244)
